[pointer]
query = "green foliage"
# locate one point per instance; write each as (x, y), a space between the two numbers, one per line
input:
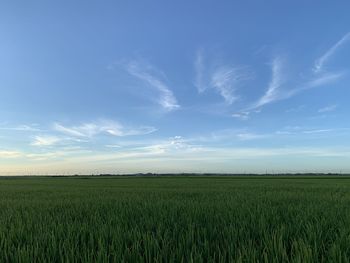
(180, 219)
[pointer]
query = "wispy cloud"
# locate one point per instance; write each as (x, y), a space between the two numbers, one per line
(113, 146)
(250, 136)
(244, 115)
(91, 129)
(317, 131)
(22, 127)
(63, 153)
(314, 82)
(45, 140)
(328, 108)
(153, 77)
(157, 154)
(247, 153)
(171, 145)
(280, 89)
(324, 79)
(85, 130)
(321, 61)
(9, 154)
(45, 156)
(232, 135)
(225, 79)
(241, 135)
(278, 79)
(301, 131)
(199, 67)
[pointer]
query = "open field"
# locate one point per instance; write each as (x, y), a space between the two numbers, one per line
(180, 219)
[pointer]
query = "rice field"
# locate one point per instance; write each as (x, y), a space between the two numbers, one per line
(175, 219)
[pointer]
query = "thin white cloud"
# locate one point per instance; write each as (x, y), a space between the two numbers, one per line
(9, 154)
(160, 153)
(278, 79)
(317, 131)
(22, 127)
(328, 108)
(173, 144)
(199, 67)
(148, 74)
(244, 115)
(250, 136)
(277, 89)
(225, 79)
(174, 154)
(320, 62)
(113, 146)
(246, 153)
(80, 131)
(324, 79)
(301, 131)
(229, 135)
(45, 156)
(64, 152)
(45, 140)
(320, 80)
(88, 130)
(239, 135)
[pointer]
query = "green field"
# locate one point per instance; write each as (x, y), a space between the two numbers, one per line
(175, 219)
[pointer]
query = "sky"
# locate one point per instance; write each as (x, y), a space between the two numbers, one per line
(89, 87)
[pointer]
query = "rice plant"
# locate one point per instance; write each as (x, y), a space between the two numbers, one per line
(175, 219)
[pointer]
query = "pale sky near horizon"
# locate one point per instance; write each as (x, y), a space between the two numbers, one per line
(174, 86)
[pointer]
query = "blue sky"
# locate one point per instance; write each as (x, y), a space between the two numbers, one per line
(174, 86)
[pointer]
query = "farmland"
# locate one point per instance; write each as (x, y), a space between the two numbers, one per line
(175, 219)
